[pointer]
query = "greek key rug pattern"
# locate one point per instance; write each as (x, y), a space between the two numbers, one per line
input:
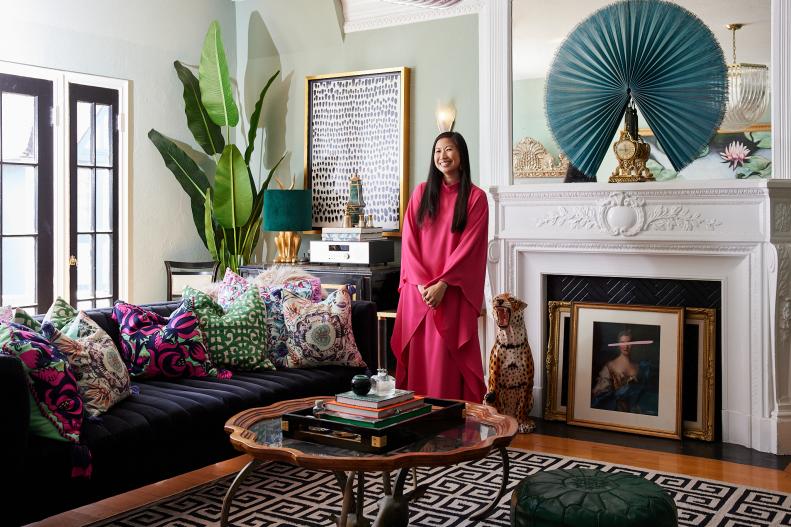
(280, 495)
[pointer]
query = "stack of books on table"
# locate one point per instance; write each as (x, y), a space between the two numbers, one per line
(351, 234)
(375, 411)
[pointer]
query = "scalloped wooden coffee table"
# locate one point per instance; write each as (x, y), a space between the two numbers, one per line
(258, 433)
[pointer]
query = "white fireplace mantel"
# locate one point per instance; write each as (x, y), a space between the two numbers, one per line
(734, 232)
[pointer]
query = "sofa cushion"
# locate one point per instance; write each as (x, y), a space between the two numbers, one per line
(20, 316)
(320, 334)
(235, 339)
(155, 346)
(60, 313)
(56, 409)
(272, 295)
(101, 373)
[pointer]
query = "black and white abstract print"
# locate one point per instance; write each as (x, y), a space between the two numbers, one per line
(355, 127)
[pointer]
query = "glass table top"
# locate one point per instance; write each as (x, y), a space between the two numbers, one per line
(470, 432)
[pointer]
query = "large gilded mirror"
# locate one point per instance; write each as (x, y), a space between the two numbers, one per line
(740, 149)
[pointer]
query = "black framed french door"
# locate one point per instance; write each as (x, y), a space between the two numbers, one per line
(26, 192)
(93, 191)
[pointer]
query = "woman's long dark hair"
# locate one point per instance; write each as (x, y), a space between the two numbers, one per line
(429, 203)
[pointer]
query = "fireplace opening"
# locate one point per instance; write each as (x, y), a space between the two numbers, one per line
(698, 296)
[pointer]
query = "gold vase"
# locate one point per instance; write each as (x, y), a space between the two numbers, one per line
(287, 243)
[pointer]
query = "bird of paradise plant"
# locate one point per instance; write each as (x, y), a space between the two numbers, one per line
(227, 213)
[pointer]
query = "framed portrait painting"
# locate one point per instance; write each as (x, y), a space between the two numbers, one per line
(356, 123)
(625, 368)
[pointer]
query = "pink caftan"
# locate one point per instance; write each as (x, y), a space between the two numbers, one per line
(437, 349)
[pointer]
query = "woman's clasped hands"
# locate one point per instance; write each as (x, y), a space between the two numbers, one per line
(433, 294)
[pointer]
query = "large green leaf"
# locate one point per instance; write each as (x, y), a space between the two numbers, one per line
(214, 80)
(233, 195)
(204, 130)
(198, 213)
(248, 153)
(208, 227)
(187, 172)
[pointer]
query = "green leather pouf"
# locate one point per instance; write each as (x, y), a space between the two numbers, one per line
(590, 498)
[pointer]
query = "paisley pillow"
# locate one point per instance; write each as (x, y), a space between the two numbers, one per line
(272, 295)
(155, 346)
(101, 374)
(236, 338)
(320, 334)
(20, 316)
(56, 409)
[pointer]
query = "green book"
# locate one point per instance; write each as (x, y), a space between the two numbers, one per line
(377, 423)
(372, 400)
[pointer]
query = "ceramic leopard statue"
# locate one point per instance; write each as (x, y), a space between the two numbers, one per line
(511, 368)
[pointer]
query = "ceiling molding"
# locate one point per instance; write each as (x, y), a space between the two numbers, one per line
(364, 15)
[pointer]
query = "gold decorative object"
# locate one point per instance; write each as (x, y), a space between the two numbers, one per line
(355, 207)
(287, 243)
(531, 160)
(632, 153)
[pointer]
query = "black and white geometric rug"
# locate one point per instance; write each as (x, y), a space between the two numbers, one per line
(280, 495)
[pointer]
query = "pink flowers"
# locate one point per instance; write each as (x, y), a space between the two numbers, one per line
(735, 154)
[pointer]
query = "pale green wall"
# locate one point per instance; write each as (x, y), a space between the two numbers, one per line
(304, 38)
(137, 41)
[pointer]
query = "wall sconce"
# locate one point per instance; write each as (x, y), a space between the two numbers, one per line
(446, 116)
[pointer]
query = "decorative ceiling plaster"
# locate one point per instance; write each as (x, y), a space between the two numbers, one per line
(362, 15)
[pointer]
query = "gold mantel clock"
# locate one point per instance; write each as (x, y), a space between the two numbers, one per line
(632, 155)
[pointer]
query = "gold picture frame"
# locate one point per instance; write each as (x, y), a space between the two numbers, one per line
(559, 313)
(341, 117)
(705, 320)
(626, 382)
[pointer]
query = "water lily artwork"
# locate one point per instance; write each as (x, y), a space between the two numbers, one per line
(729, 155)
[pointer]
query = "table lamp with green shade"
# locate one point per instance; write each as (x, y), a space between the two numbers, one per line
(288, 212)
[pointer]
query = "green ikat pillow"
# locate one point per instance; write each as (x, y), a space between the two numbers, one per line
(235, 338)
(60, 313)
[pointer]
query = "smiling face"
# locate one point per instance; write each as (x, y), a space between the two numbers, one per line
(447, 158)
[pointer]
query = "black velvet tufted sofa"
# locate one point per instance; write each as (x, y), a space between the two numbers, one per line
(171, 427)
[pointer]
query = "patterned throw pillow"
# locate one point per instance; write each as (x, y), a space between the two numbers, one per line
(320, 334)
(272, 295)
(237, 338)
(56, 409)
(101, 374)
(155, 346)
(60, 313)
(19, 316)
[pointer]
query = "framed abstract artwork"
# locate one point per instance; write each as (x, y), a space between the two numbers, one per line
(357, 123)
(625, 368)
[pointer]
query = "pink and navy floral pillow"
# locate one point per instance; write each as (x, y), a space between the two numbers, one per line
(56, 409)
(155, 346)
(233, 286)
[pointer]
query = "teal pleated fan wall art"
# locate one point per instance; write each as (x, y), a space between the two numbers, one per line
(651, 51)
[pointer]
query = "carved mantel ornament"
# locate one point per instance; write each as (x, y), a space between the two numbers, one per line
(531, 160)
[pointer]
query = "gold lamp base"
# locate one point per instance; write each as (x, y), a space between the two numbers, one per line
(287, 243)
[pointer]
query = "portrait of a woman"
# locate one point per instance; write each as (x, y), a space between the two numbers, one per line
(624, 384)
(443, 266)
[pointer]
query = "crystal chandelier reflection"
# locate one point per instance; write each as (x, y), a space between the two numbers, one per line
(748, 91)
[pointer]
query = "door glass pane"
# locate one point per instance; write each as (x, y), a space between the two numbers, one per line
(104, 269)
(84, 199)
(85, 266)
(106, 302)
(19, 271)
(104, 200)
(19, 128)
(84, 135)
(19, 199)
(88, 304)
(103, 135)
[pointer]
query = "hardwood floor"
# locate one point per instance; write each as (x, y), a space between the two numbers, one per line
(740, 474)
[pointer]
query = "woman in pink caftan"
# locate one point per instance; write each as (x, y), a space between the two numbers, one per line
(443, 263)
